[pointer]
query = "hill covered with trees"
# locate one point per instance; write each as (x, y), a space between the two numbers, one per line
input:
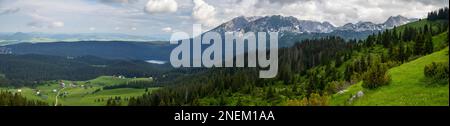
(33, 69)
(104, 49)
(311, 70)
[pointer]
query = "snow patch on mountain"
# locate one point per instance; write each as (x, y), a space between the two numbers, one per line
(278, 23)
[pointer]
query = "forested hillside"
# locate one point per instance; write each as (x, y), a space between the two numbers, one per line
(104, 49)
(312, 70)
(33, 69)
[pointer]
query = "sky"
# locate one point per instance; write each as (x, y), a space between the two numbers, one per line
(163, 17)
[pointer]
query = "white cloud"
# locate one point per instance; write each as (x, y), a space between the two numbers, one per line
(337, 12)
(40, 21)
(4, 11)
(161, 6)
(76, 16)
(92, 29)
(167, 29)
(204, 13)
(57, 24)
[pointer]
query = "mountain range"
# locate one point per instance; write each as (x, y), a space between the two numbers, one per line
(34, 37)
(292, 29)
(278, 23)
(106, 49)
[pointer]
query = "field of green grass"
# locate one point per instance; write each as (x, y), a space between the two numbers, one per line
(408, 87)
(82, 93)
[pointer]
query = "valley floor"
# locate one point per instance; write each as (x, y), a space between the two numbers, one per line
(82, 93)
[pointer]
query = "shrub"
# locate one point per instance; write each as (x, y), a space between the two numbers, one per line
(438, 71)
(376, 76)
(313, 100)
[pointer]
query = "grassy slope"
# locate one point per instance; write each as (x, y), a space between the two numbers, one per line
(408, 87)
(78, 96)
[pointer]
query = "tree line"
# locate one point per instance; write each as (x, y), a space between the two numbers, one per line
(16, 99)
(441, 14)
(137, 84)
(31, 70)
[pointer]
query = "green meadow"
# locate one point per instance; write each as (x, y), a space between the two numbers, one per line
(82, 93)
(408, 87)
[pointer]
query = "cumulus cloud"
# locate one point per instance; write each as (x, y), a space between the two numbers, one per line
(9, 11)
(161, 6)
(338, 12)
(166, 29)
(283, 1)
(108, 14)
(57, 24)
(44, 22)
(6, 8)
(431, 2)
(204, 13)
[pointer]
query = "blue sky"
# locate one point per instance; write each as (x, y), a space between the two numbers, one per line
(162, 17)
